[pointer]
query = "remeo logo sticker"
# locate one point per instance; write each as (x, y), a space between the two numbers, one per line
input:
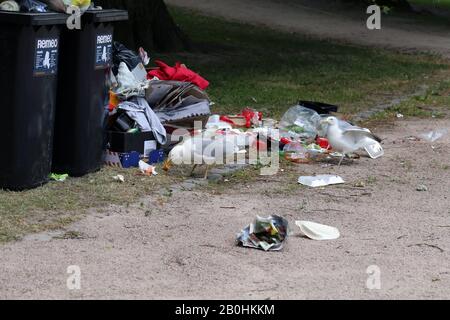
(103, 51)
(46, 57)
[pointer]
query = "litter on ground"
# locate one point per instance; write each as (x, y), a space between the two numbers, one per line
(147, 169)
(320, 180)
(119, 178)
(434, 135)
(317, 231)
(59, 177)
(268, 234)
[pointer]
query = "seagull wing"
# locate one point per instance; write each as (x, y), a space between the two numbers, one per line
(359, 137)
(345, 126)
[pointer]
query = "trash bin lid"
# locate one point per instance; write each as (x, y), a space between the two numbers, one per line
(106, 15)
(33, 19)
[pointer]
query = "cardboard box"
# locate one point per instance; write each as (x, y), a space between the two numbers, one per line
(122, 142)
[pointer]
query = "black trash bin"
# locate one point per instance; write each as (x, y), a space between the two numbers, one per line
(83, 93)
(28, 71)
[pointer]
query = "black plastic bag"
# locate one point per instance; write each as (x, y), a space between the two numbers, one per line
(123, 54)
(319, 107)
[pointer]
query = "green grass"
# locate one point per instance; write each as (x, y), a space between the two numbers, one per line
(271, 71)
(247, 66)
(434, 103)
(59, 203)
(435, 3)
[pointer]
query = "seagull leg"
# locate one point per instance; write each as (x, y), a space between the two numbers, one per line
(342, 158)
(193, 169)
(206, 172)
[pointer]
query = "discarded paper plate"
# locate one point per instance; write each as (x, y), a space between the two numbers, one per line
(320, 181)
(318, 231)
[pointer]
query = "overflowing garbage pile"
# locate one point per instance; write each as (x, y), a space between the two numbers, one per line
(150, 105)
(147, 106)
(308, 135)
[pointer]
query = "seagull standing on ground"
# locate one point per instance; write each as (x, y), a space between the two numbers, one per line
(345, 138)
(204, 150)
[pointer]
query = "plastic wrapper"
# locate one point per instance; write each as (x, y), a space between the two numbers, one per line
(268, 234)
(33, 6)
(434, 135)
(295, 152)
(300, 123)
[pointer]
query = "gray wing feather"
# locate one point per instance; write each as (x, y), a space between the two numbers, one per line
(359, 136)
(345, 126)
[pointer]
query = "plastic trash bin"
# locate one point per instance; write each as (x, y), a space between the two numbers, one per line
(83, 93)
(28, 72)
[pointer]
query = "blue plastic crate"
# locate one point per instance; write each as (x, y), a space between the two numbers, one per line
(156, 156)
(130, 159)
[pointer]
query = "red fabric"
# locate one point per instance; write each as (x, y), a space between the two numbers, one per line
(177, 73)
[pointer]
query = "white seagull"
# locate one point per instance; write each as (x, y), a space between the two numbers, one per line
(204, 151)
(346, 138)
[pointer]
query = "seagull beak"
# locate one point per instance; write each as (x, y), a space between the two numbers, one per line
(325, 121)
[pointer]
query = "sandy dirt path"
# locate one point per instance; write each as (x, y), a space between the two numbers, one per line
(184, 247)
(327, 22)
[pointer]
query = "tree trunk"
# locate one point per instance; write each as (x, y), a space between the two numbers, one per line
(150, 25)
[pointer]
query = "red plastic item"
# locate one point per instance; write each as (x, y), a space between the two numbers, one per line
(249, 115)
(323, 143)
(285, 141)
(227, 120)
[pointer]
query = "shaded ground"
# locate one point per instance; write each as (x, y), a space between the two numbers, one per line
(330, 22)
(182, 246)
(244, 72)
